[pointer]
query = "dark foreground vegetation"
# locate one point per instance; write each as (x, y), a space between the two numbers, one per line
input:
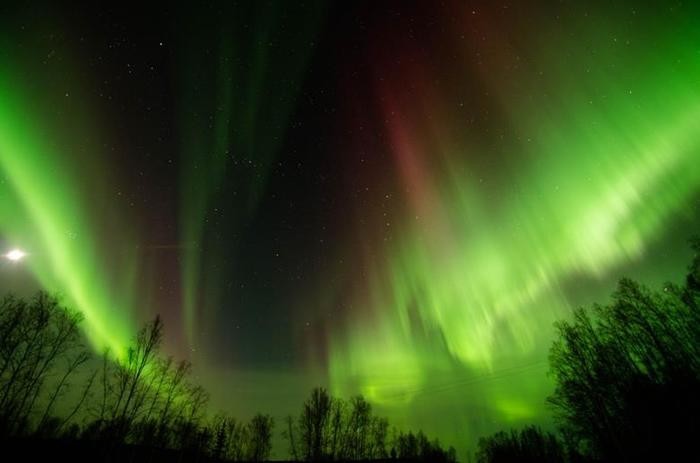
(627, 378)
(58, 401)
(627, 381)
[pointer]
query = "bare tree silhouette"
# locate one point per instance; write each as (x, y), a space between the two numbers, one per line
(331, 429)
(529, 445)
(35, 336)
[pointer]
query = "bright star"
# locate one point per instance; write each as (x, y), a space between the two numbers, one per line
(15, 255)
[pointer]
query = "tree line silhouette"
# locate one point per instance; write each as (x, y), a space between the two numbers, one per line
(627, 381)
(332, 429)
(143, 401)
(57, 398)
(627, 377)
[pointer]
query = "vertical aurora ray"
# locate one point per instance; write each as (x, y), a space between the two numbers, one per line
(44, 208)
(202, 174)
(596, 155)
(231, 138)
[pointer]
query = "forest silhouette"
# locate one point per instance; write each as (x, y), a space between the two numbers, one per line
(627, 376)
(145, 407)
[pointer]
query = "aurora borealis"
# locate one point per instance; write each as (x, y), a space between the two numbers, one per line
(385, 198)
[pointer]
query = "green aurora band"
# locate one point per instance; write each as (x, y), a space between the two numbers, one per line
(606, 153)
(48, 212)
(231, 137)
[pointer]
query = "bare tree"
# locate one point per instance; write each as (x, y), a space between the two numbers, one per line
(331, 429)
(174, 391)
(260, 434)
(35, 336)
(81, 400)
(72, 366)
(139, 359)
(626, 373)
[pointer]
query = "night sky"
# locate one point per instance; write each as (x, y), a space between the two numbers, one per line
(389, 198)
